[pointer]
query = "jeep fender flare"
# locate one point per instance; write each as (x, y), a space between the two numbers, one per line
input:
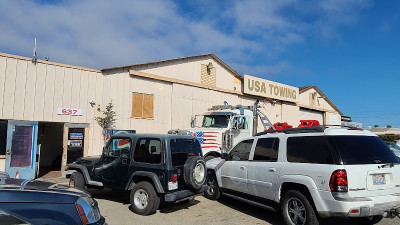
(309, 183)
(156, 181)
(82, 169)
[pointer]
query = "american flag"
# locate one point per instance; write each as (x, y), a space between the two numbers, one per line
(207, 139)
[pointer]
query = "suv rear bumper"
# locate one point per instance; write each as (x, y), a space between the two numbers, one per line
(371, 206)
(183, 195)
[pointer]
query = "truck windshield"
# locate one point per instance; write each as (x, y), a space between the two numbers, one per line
(219, 121)
(355, 150)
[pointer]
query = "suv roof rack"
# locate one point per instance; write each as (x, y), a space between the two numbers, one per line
(312, 129)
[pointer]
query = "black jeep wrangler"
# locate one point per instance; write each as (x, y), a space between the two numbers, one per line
(152, 167)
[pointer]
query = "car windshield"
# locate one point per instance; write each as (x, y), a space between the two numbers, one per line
(353, 150)
(220, 121)
(182, 148)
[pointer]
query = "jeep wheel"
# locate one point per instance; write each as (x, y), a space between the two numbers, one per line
(144, 199)
(212, 192)
(194, 172)
(297, 210)
(366, 220)
(77, 180)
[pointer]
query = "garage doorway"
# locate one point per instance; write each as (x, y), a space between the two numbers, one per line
(50, 139)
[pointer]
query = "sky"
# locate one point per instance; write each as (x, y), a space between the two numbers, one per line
(350, 49)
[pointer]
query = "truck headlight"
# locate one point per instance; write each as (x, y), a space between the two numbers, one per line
(88, 210)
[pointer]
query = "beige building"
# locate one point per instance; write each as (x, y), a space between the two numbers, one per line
(56, 104)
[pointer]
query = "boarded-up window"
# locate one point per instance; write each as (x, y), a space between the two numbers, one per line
(142, 105)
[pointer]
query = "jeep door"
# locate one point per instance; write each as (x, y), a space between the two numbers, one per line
(263, 168)
(116, 160)
(234, 170)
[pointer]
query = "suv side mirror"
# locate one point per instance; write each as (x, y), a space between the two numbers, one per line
(225, 156)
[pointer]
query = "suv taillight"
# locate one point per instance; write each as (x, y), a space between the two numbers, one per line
(174, 177)
(338, 181)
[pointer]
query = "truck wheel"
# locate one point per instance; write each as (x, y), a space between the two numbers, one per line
(212, 192)
(144, 199)
(297, 210)
(77, 180)
(366, 220)
(194, 172)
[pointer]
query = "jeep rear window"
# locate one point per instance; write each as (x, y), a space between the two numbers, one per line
(182, 148)
(355, 150)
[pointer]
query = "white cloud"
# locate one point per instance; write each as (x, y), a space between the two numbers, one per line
(98, 34)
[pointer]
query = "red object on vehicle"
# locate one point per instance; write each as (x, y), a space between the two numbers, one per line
(281, 126)
(308, 123)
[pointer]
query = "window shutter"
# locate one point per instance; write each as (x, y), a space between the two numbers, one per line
(137, 105)
(148, 102)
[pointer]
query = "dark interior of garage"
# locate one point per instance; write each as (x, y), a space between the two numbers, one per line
(50, 139)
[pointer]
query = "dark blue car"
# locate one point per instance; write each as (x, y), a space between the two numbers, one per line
(48, 203)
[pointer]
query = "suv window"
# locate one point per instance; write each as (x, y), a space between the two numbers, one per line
(241, 151)
(362, 150)
(182, 148)
(148, 150)
(266, 150)
(309, 149)
(119, 147)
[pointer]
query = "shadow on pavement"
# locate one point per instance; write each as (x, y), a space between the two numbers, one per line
(173, 207)
(111, 195)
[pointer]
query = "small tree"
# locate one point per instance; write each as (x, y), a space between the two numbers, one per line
(376, 125)
(389, 126)
(107, 122)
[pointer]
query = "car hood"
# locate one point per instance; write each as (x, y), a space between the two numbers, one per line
(38, 191)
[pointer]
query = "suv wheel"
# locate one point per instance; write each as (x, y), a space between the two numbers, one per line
(144, 199)
(366, 220)
(194, 172)
(213, 192)
(77, 180)
(297, 210)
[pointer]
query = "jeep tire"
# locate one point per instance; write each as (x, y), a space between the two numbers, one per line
(77, 180)
(213, 192)
(194, 172)
(297, 209)
(144, 199)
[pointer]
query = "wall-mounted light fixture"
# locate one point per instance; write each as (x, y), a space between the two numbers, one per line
(209, 67)
(92, 103)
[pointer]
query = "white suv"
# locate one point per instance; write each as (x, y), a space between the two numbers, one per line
(311, 173)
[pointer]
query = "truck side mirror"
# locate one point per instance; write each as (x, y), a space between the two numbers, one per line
(225, 156)
(193, 122)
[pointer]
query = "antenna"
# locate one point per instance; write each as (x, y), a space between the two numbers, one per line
(34, 59)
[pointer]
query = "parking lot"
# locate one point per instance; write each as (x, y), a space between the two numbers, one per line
(115, 207)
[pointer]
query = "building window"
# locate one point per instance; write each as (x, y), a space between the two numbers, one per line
(142, 105)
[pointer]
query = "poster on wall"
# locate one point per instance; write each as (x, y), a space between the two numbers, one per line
(21, 146)
(110, 132)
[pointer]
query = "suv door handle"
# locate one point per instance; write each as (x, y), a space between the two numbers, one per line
(271, 170)
(242, 167)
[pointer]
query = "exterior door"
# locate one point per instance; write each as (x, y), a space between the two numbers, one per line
(21, 149)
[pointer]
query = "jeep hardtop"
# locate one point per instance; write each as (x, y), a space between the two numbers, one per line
(152, 167)
(311, 173)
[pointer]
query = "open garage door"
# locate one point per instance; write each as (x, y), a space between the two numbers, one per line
(308, 114)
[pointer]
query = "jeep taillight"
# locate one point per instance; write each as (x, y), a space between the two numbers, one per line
(338, 181)
(174, 177)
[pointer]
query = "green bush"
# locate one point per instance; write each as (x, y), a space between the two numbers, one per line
(389, 138)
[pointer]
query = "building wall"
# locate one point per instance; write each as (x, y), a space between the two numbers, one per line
(33, 92)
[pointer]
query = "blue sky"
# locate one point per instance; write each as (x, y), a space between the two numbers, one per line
(350, 49)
